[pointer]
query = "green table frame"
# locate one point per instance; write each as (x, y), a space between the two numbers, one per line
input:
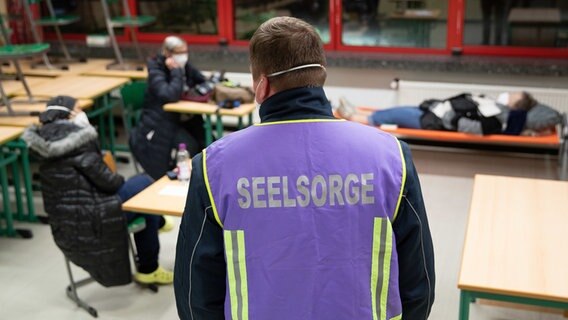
(208, 126)
(468, 296)
(21, 148)
(5, 160)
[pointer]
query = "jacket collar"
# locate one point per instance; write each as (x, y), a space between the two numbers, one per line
(47, 148)
(296, 104)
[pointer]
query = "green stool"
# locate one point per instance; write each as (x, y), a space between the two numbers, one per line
(126, 21)
(56, 21)
(51, 21)
(12, 53)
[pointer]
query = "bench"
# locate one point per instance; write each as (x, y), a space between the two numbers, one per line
(414, 92)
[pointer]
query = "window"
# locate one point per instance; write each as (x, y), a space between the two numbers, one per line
(395, 23)
(522, 23)
(249, 14)
(181, 16)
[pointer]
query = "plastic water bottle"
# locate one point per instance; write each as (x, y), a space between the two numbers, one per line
(183, 163)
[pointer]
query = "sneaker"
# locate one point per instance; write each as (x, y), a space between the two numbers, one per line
(168, 224)
(346, 110)
(159, 276)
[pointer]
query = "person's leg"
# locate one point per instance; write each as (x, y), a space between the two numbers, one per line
(147, 242)
(192, 145)
(404, 117)
(194, 126)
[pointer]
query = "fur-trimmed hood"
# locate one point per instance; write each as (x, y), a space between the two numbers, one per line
(46, 146)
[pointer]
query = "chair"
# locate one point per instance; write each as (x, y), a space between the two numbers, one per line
(126, 21)
(11, 52)
(132, 103)
(50, 21)
(134, 226)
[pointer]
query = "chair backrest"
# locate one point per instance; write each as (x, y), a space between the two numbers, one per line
(133, 100)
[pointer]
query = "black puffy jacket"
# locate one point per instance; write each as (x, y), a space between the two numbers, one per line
(80, 197)
(153, 139)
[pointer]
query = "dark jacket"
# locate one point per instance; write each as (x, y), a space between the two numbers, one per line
(200, 250)
(152, 140)
(80, 198)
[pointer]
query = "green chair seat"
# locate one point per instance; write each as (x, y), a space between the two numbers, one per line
(22, 50)
(56, 21)
(125, 21)
(136, 225)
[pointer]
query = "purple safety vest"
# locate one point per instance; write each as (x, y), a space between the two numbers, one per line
(306, 207)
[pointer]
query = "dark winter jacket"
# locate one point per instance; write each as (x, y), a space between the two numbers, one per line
(80, 197)
(153, 139)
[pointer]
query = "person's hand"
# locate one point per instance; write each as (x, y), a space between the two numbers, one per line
(171, 63)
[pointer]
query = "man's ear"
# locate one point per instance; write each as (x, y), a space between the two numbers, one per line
(263, 90)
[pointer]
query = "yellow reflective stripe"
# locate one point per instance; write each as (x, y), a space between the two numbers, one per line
(208, 186)
(386, 270)
(243, 272)
(298, 121)
(402, 182)
(399, 317)
(231, 273)
(375, 264)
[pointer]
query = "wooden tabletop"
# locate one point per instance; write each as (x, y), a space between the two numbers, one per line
(208, 108)
(102, 71)
(12, 87)
(80, 87)
(74, 68)
(516, 238)
(164, 196)
(20, 104)
(8, 134)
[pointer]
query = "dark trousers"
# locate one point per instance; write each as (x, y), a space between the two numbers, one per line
(192, 133)
(147, 242)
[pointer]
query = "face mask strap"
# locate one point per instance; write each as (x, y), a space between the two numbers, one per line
(58, 108)
(305, 66)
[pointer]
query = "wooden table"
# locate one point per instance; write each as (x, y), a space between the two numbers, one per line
(12, 87)
(208, 109)
(80, 87)
(9, 133)
(102, 71)
(164, 196)
(97, 89)
(515, 243)
(74, 68)
(21, 104)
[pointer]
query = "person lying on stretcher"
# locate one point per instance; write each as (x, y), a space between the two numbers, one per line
(512, 113)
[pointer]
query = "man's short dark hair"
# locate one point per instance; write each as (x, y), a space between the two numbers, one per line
(282, 43)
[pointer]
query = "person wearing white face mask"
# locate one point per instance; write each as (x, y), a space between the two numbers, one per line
(83, 199)
(170, 78)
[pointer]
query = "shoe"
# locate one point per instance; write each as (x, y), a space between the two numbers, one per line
(168, 224)
(159, 276)
(346, 110)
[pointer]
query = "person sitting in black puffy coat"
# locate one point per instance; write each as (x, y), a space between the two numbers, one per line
(170, 77)
(83, 199)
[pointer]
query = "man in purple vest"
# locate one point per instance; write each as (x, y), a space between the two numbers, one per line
(302, 216)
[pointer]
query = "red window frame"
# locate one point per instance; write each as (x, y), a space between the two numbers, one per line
(454, 39)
